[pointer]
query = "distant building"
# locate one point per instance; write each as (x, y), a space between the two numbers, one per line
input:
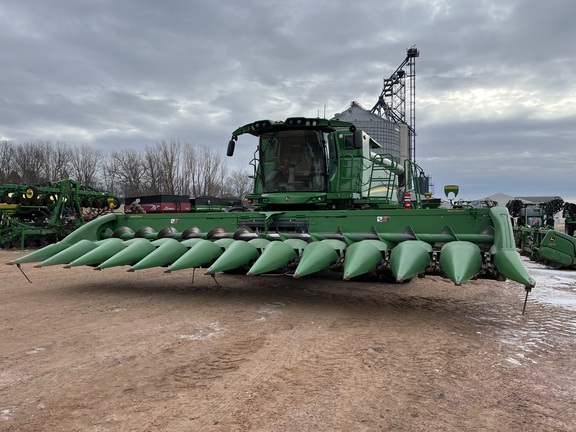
(499, 198)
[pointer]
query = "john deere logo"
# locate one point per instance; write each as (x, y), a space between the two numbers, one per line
(286, 198)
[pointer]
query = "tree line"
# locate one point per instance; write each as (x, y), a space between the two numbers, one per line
(172, 168)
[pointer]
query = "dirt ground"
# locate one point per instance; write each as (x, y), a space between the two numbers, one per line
(85, 350)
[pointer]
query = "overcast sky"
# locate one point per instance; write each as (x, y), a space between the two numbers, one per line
(495, 80)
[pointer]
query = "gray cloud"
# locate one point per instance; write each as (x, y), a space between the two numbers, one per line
(496, 98)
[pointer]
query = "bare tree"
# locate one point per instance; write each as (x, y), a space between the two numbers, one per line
(239, 183)
(29, 160)
(6, 156)
(85, 164)
(189, 157)
(169, 165)
(208, 173)
(130, 168)
(34, 161)
(110, 176)
(151, 175)
(57, 161)
(168, 168)
(163, 165)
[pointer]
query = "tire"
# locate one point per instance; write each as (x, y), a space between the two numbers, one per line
(115, 204)
(7, 198)
(31, 193)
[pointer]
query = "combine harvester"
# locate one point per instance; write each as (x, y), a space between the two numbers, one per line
(323, 200)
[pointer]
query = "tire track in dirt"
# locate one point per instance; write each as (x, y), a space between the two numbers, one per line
(311, 336)
(247, 364)
(340, 362)
(200, 371)
(324, 355)
(154, 352)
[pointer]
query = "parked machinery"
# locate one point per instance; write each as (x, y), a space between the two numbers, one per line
(322, 201)
(42, 213)
(569, 215)
(535, 236)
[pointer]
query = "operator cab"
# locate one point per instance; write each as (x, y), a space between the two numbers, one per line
(293, 160)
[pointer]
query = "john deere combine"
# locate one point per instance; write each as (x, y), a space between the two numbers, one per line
(323, 200)
(38, 214)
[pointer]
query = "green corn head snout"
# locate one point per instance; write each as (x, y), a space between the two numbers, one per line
(461, 244)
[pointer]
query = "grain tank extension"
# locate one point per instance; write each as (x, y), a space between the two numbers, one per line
(323, 200)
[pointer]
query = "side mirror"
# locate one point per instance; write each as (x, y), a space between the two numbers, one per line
(231, 146)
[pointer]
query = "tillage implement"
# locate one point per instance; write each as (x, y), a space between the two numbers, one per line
(324, 200)
(42, 213)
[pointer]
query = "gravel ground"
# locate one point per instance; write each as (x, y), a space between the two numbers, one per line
(85, 350)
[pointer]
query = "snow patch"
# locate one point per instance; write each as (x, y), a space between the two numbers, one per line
(553, 287)
(6, 413)
(201, 334)
(513, 361)
(269, 310)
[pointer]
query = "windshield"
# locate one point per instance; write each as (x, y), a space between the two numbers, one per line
(293, 161)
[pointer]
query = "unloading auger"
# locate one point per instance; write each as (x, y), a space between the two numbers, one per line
(323, 200)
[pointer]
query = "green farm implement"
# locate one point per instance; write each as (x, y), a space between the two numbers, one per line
(38, 214)
(535, 235)
(324, 200)
(569, 215)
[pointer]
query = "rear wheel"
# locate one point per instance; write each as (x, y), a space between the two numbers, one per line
(30, 195)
